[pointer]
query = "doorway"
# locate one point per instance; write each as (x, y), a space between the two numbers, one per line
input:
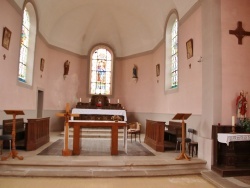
(39, 104)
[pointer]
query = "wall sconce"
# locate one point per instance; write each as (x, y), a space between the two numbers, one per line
(200, 60)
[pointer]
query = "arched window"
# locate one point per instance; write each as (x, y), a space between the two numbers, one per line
(101, 70)
(174, 61)
(171, 58)
(28, 40)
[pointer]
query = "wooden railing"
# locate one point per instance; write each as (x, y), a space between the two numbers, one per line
(154, 136)
(36, 133)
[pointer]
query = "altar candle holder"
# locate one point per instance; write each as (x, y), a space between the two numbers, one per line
(233, 129)
(233, 124)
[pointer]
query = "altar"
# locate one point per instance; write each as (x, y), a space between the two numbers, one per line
(98, 114)
(114, 126)
(229, 137)
(231, 154)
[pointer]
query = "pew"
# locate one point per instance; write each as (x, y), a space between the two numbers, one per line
(36, 133)
(154, 135)
(30, 135)
(159, 138)
(20, 132)
(173, 131)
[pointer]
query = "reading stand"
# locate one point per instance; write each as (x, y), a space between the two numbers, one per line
(13, 152)
(181, 116)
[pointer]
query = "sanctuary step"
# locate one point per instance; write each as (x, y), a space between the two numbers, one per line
(95, 133)
(93, 169)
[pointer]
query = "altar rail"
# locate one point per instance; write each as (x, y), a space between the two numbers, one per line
(154, 136)
(36, 133)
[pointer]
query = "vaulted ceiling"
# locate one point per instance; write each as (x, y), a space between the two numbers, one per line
(128, 26)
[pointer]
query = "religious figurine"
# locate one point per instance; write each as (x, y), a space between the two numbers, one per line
(241, 106)
(66, 68)
(135, 72)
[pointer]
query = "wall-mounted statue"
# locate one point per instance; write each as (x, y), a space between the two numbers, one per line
(135, 71)
(66, 68)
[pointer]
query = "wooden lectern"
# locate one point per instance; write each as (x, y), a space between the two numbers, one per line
(181, 116)
(13, 152)
(67, 115)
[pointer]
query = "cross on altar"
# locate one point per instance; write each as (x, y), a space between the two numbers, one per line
(239, 32)
(67, 115)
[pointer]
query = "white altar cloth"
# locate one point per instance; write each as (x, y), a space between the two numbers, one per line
(99, 112)
(229, 137)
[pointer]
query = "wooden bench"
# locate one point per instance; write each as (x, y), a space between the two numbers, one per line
(154, 135)
(30, 135)
(20, 131)
(173, 131)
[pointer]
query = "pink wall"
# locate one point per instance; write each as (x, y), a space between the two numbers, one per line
(147, 95)
(235, 57)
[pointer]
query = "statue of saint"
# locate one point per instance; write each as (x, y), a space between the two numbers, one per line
(241, 105)
(135, 72)
(66, 68)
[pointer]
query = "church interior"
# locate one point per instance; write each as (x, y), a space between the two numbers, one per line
(172, 70)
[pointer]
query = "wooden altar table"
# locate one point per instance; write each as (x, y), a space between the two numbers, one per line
(229, 137)
(99, 112)
(77, 124)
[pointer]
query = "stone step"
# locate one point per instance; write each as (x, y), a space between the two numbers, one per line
(80, 170)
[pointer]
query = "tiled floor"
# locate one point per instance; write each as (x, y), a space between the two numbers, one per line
(140, 171)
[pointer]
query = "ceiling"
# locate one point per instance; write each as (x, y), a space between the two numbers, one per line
(127, 26)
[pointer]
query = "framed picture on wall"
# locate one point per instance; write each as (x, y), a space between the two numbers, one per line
(6, 38)
(189, 46)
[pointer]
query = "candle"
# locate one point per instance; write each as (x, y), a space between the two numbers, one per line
(89, 100)
(80, 99)
(118, 100)
(109, 100)
(233, 121)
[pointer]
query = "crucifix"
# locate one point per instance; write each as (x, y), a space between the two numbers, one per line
(13, 152)
(67, 115)
(239, 32)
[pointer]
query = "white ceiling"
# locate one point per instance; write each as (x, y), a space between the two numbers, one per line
(127, 26)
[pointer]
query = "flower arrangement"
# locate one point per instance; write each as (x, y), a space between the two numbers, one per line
(116, 118)
(246, 124)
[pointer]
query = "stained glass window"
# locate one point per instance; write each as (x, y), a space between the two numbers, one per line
(24, 47)
(174, 60)
(101, 71)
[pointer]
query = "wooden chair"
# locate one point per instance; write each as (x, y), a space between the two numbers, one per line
(134, 128)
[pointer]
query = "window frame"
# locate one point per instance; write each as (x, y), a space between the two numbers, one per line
(173, 16)
(101, 46)
(31, 48)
